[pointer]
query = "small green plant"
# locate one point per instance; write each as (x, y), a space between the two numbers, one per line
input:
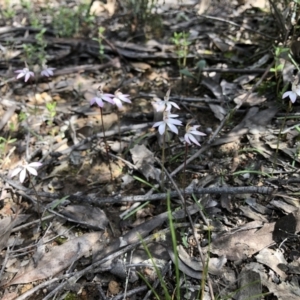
(34, 19)
(22, 116)
(143, 16)
(68, 22)
(64, 22)
(51, 107)
(279, 50)
(182, 43)
(36, 53)
(100, 42)
(3, 146)
(8, 11)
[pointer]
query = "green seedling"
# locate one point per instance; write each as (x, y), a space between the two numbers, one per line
(22, 116)
(41, 45)
(34, 19)
(65, 22)
(8, 12)
(51, 107)
(36, 53)
(184, 240)
(182, 44)
(99, 39)
(68, 22)
(3, 146)
(279, 50)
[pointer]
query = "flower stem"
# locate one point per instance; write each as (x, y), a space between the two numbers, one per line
(184, 176)
(119, 128)
(289, 109)
(37, 197)
(106, 145)
(163, 161)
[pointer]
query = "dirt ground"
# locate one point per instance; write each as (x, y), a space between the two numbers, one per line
(108, 208)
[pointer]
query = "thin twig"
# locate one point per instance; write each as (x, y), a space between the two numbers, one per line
(29, 293)
(131, 293)
(94, 199)
(4, 262)
(238, 25)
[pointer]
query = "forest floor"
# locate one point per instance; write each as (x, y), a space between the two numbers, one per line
(117, 211)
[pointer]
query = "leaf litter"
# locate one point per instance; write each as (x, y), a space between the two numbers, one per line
(248, 241)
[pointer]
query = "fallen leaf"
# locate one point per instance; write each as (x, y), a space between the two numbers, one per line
(250, 286)
(144, 160)
(57, 259)
(6, 226)
(272, 258)
(87, 215)
(218, 111)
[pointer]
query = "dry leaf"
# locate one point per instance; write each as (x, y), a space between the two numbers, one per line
(6, 226)
(144, 160)
(87, 215)
(57, 259)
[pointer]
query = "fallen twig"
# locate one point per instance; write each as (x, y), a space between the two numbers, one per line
(97, 199)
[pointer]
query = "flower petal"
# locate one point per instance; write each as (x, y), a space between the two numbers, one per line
(107, 97)
(169, 115)
(22, 175)
(174, 121)
(32, 171)
(175, 105)
(118, 102)
(297, 91)
(158, 123)
(293, 97)
(186, 138)
(173, 128)
(35, 164)
(162, 128)
(124, 98)
(196, 132)
(287, 94)
(193, 139)
(92, 101)
(99, 101)
(16, 171)
(27, 76)
(20, 75)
